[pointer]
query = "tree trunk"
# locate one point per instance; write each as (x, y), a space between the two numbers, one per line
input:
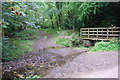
(59, 7)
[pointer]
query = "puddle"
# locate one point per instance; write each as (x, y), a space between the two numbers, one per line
(38, 63)
(54, 47)
(71, 56)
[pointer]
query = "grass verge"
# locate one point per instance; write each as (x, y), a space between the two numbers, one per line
(112, 45)
(68, 38)
(22, 43)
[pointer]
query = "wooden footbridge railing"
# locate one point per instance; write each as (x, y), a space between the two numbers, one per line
(100, 33)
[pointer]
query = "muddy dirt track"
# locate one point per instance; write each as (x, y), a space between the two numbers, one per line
(85, 65)
(56, 61)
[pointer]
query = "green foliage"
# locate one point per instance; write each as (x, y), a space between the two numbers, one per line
(18, 16)
(66, 33)
(53, 32)
(106, 46)
(19, 19)
(63, 41)
(45, 37)
(74, 39)
(7, 50)
(108, 21)
(28, 78)
(12, 48)
(29, 34)
(56, 33)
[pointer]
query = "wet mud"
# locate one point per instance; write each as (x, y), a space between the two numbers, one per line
(35, 63)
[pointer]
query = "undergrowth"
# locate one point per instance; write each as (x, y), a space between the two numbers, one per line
(28, 78)
(73, 39)
(76, 42)
(112, 45)
(53, 32)
(28, 34)
(63, 41)
(12, 48)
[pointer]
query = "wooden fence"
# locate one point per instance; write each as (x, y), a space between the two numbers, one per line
(100, 33)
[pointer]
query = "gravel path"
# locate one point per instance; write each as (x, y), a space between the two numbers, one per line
(89, 65)
(85, 65)
(75, 63)
(45, 41)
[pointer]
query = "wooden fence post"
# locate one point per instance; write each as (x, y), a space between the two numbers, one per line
(88, 33)
(107, 33)
(97, 33)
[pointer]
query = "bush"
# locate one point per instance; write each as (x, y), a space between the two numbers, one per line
(53, 32)
(76, 40)
(28, 34)
(58, 37)
(7, 50)
(106, 46)
(12, 49)
(63, 41)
